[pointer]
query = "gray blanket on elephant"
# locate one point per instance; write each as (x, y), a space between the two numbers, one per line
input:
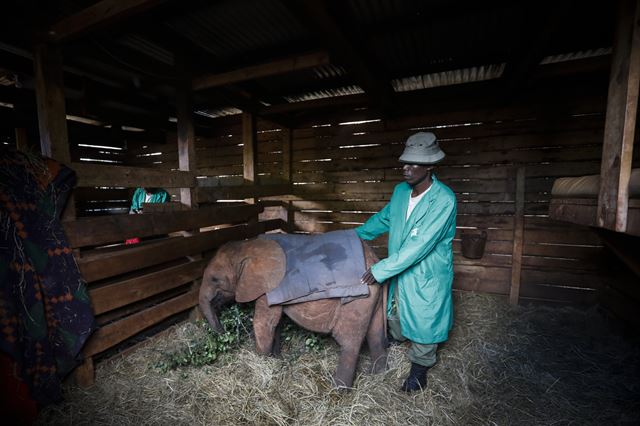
(320, 267)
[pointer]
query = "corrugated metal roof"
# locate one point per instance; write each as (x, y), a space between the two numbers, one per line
(231, 29)
(447, 78)
(329, 71)
(321, 94)
(218, 112)
(146, 47)
(591, 53)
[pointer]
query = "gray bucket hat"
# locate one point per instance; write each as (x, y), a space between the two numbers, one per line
(422, 148)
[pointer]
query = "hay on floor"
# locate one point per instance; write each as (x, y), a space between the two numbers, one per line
(502, 365)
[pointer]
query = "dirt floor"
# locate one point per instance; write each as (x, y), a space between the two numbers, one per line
(502, 365)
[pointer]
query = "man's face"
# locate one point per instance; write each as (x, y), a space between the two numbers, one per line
(415, 173)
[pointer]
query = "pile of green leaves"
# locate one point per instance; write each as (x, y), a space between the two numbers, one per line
(237, 322)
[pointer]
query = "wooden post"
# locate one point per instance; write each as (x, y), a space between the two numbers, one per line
(287, 171)
(187, 162)
(186, 141)
(250, 147)
(84, 374)
(22, 139)
(54, 139)
(287, 142)
(518, 234)
(619, 130)
(26, 117)
(52, 118)
(249, 151)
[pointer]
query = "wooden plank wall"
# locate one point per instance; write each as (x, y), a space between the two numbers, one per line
(219, 155)
(96, 144)
(345, 172)
(134, 287)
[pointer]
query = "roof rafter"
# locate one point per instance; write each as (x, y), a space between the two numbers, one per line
(98, 15)
(316, 15)
(282, 66)
(540, 34)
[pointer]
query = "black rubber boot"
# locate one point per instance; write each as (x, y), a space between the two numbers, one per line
(417, 379)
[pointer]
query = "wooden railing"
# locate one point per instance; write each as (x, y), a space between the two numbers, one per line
(133, 287)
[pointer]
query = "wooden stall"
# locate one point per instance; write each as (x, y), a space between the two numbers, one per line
(283, 116)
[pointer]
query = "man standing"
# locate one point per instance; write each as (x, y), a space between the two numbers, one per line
(421, 221)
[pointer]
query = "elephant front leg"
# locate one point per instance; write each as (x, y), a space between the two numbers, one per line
(377, 340)
(265, 322)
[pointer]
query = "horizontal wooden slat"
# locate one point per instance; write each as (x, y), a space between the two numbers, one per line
(131, 177)
(102, 194)
(212, 194)
(562, 278)
(122, 293)
(481, 278)
(585, 296)
(570, 236)
(98, 266)
(112, 334)
(100, 230)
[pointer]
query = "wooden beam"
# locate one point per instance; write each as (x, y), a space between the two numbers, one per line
(106, 229)
(54, 139)
(283, 66)
(537, 37)
(620, 124)
(131, 177)
(98, 15)
(518, 238)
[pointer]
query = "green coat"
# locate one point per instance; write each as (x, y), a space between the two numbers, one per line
(420, 259)
(160, 196)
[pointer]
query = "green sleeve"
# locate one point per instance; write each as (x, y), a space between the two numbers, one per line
(164, 196)
(376, 225)
(415, 249)
(137, 199)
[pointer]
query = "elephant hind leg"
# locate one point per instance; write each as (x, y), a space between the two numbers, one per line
(265, 321)
(343, 378)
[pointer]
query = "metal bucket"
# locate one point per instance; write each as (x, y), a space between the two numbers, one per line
(473, 244)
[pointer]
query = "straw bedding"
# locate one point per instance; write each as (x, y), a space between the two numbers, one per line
(502, 365)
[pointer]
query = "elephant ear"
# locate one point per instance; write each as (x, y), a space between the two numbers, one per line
(260, 271)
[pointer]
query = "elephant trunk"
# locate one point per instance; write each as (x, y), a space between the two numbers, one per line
(211, 315)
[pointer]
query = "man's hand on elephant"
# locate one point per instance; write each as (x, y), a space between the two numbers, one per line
(368, 278)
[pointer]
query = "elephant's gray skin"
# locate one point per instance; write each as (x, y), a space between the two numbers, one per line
(244, 271)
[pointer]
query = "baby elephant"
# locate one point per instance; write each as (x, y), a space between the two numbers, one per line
(245, 271)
